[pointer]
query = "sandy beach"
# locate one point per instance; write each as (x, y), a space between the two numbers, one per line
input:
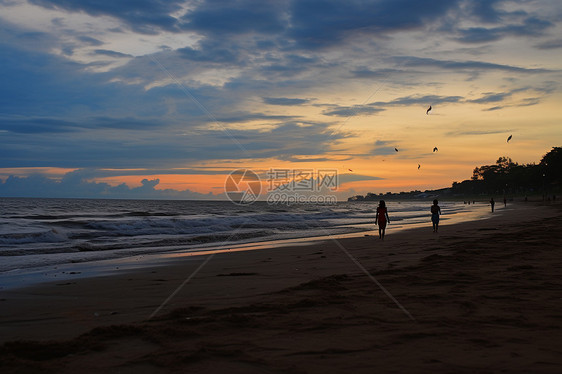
(483, 296)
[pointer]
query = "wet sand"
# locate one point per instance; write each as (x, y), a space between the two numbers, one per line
(482, 296)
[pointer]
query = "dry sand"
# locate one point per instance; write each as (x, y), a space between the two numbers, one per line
(483, 296)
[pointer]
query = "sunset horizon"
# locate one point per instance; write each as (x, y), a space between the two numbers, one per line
(180, 96)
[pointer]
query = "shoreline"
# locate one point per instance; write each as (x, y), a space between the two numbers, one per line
(484, 294)
(28, 277)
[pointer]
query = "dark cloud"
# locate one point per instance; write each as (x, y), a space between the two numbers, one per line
(351, 111)
(497, 97)
(36, 125)
(530, 27)
(383, 148)
(291, 138)
(479, 35)
(13, 37)
(144, 16)
(38, 84)
(284, 101)
(364, 72)
(281, 70)
(106, 52)
(421, 99)
(90, 41)
(529, 101)
(283, 66)
(311, 24)
(493, 108)
(550, 44)
(123, 123)
(491, 97)
(496, 19)
(213, 50)
(221, 55)
(226, 17)
(379, 106)
(58, 22)
(96, 148)
(104, 173)
(484, 10)
(463, 65)
(323, 23)
(475, 132)
(116, 29)
(76, 185)
(302, 59)
(68, 50)
(348, 178)
(292, 158)
(248, 117)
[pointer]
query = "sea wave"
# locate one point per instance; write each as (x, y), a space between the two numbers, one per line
(64, 229)
(48, 236)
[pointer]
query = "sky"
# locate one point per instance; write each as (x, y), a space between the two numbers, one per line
(166, 98)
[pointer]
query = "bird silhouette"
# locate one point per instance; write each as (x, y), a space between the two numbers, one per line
(349, 169)
(435, 149)
(419, 166)
(396, 149)
(509, 138)
(428, 110)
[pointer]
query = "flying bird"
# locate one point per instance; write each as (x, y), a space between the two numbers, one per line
(509, 138)
(349, 169)
(428, 110)
(435, 149)
(396, 149)
(419, 166)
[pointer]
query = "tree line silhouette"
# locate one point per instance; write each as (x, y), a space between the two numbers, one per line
(510, 178)
(504, 178)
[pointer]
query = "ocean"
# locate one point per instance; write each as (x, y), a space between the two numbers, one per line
(42, 233)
